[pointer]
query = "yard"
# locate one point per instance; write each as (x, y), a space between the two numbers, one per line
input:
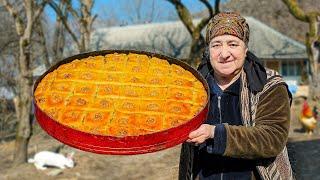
(158, 165)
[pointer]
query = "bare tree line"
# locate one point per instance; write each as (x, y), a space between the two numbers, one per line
(20, 54)
(24, 20)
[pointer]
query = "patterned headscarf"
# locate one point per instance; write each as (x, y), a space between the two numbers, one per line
(230, 23)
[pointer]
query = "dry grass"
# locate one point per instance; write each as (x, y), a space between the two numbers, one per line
(158, 165)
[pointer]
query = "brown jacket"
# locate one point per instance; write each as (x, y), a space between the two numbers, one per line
(269, 135)
(267, 117)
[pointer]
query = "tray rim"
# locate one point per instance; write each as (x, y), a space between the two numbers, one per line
(142, 149)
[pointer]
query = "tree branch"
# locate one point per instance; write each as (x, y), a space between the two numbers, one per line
(184, 15)
(313, 25)
(39, 10)
(5, 45)
(43, 44)
(29, 8)
(93, 19)
(71, 10)
(208, 5)
(14, 13)
(64, 21)
(205, 21)
(11, 81)
(295, 10)
(217, 6)
(87, 19)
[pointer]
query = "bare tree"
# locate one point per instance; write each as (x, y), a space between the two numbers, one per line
(83, 17)
(41, 39)
(8, 43)
(8, 38)
(59, 33)
(24, 27)
(138, 15)
(312, 41)
(198, 41)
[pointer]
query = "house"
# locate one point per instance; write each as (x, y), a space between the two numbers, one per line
(276, 50)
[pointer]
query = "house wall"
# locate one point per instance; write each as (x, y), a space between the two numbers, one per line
(290, 69)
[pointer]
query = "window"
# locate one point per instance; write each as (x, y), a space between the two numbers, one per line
(291, 68)
(284, 68)
(299, 67)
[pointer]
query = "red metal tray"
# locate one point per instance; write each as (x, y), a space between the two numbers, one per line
(121, 145)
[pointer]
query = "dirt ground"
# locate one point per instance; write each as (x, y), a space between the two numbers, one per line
(158, 165)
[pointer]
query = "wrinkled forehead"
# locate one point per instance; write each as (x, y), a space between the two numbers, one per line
(227, 39)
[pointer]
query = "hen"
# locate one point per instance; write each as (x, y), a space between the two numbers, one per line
(309, 123)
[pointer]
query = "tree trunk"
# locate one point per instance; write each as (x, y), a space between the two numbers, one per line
(20, 150)
(313, 51)
(59, 41)
(24, 105)
(59, 33)
(24, 125)
(43, 45)
(82, 47)
(87, 39)
(315, 87)
(198, 42)
(312, 43)
(315, 84)
(196, 50)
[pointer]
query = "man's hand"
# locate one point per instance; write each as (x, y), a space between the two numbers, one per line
(204, 132)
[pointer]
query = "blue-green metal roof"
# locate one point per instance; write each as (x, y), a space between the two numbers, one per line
(172, 38)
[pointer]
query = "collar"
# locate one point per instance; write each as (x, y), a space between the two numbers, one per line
(256, 73)
(234, 88)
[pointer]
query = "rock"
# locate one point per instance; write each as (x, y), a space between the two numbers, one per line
(55, 172)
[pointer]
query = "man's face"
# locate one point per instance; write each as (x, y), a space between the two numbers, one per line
(227, 55)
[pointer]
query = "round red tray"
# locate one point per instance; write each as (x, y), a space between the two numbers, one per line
(121, 145)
